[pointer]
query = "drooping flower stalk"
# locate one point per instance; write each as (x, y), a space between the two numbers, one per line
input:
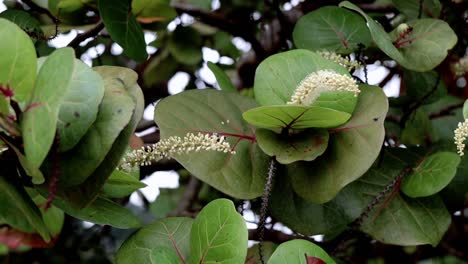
(320, 81)
(167, 148)
(343, 61)
(461, 132)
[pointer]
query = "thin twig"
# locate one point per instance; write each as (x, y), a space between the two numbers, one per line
(40, 9)
(85, 35)
(221, 22)
(264, 206)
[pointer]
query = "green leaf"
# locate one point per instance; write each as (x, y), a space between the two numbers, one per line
(431, 175)
(102, 211)
(18, 60)
(430, 8)
(218, 234)
(89, 190)
(39, 120)
(167, 237)
(202, 4)
(241, 175)
(302, 216)
(306, 145)
(253, 256)
(80, 106)
(185, 45)
(424, 48)
(465, 110)
(418, 129)
(331, 28)
(167, 200)
(222, 78)
(53, 218)
(123, 27)
(25, 21)
(121, 184)
(295, 117)
(295, 251)
(153, 10)
(352, 148)
(421, 86)
(278, 76)
(19, 211)
(115, 112)
(397, 220)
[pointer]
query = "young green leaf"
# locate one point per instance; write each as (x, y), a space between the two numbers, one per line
(121, 184)
(218, 233)
(295, 117)
(18, 60)
(166, 239)
(431, 175)
(222, 78)
(295, 251)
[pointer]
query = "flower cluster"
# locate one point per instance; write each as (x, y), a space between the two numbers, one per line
(460, 136)
(343, 61)
(167, 148)
(320, 81)
(461, 66)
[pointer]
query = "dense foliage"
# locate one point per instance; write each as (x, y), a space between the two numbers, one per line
(296, 129)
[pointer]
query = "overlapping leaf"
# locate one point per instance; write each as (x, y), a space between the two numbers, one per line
(352, 148)
(241, 175)
(398, 219)
(18, 60)
(39, 120)
(424, 48)
(218, 233)
(296, 251)
(169, 236)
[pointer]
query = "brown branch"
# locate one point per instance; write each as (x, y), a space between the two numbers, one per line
(85, 35)
(446, 111)
(188, 198)
(37, 8)
(277, 236)
(220, 21)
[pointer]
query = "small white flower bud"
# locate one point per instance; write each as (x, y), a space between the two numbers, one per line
(461, 132)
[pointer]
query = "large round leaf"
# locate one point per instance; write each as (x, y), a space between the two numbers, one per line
(39, 120)
(302, 216)
(306, 145)
(431, 175)
(296, 251)
(219, 234)
(351, 150)
(398, 219)
(278, 76)
(18, 60)
(241, 175)
(169, 236)
(331, 28)
(80, 106)
(424, 48)
(295, 117)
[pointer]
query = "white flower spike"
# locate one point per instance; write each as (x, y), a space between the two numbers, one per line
(320, 81)
(343, 61)
(167, 148)
(460, 136)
